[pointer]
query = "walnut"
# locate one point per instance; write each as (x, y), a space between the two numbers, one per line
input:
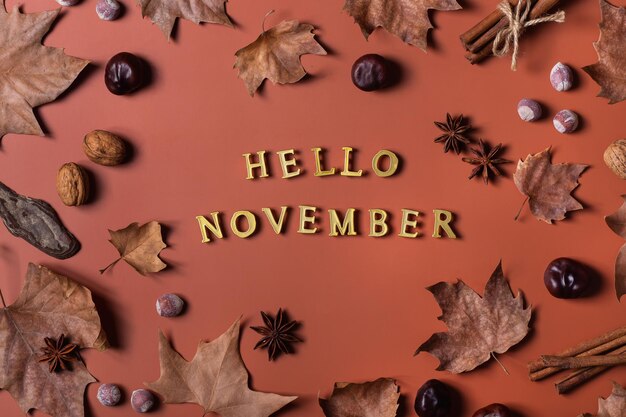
(104, 148)
(615, 158)
(72, 184)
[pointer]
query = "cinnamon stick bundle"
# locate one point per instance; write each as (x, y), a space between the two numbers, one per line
(589, 358)
(479, 39)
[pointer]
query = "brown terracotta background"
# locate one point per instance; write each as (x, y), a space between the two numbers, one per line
(361, 300)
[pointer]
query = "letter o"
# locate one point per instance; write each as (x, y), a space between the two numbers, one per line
(251, 223)
(393, 163)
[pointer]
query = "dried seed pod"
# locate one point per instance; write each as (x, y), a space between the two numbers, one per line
(104, 148)
(72, 184)
(615, 158)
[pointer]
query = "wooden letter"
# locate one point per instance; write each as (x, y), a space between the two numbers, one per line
(251, 223)
(319, 170)
(305, 218)
(408, 223)
(443, 224)
(214, 227)
(378, 223)
(338, 227)
(286, 163)
(393, 163)
(252, 165)
(277, 225)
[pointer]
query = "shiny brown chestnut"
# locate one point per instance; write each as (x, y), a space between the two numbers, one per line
(434, 399)
(494, 410)
(567, 278)
(125, 73)
(371, 72)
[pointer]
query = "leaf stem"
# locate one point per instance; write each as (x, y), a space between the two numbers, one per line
(520, 209)
(493, 355)
(265, 17)
(2, 299)
(103, 270)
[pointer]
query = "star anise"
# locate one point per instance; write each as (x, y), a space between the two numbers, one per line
(486, 161)
(277, 334)
(58, 353)
(454, 137)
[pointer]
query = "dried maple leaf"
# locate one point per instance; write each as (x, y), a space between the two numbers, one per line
(478, 327)
(48, 305)
(610, 70)
(370, 399)
(30, 74)
(275, 55)
(164, 13)
(139, 246)
(216, 379)
(617, 223)
(547, 186)
(407, 19)
(613, 406)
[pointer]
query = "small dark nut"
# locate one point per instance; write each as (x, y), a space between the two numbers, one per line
(109, 395)
(72, 184)
(494, 410)
(169, 305)
(104, 148)
(371, 72)
(142, 400)
(125, 73)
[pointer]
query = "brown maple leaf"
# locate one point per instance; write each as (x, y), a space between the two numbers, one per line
(164, 13)
(617, 223)
(30, 74)
(610, 70)
(407, 19)
(613, 406)
(369, 399)
(547, 186)
(139, 246)
(49, 304)
(477, 327)
(216, 379)
(275, 55)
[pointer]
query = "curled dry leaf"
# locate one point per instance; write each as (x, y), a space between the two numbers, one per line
(164, 13)
(407, 19)
(369, 399)
(216, 378)
(139, 246)
(478, 327)
(617, 223)
(548, 186)
(610, 70)
(48, 305)
(30, 74)
(275, 55)
(613, 406)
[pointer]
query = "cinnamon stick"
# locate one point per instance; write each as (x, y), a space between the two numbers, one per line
(583, 375)
(484, 25)
(573, 362)
(539, 8)
(605, 341)
(491, 34)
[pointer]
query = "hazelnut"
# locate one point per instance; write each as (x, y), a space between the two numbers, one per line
(72, 184)
(169, 305)
(561, 77)
(109, 395)
(529, 110)
(565, 121)
(104, 148)
(615, 158)
(142, 400)
(108, 9)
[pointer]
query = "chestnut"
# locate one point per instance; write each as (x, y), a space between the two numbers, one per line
(371, 72)
(494, 410)
(567, 278)
(125, 73)
(434, 399)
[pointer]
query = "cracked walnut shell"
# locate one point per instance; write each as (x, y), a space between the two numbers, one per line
(104, 148)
